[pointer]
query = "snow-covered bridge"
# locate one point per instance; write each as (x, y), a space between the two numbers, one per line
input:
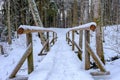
(61, 62)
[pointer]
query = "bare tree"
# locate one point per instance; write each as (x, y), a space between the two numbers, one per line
(36, 17)
(99, 43)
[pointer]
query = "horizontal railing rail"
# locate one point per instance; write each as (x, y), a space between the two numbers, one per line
(50, 40)
(70, 38)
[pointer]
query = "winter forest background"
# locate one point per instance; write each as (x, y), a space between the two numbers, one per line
(62, 14)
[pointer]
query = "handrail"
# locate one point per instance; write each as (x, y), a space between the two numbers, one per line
(89, 26)
(79, 49)
(28, 53)
(29, 29)
(85, 46)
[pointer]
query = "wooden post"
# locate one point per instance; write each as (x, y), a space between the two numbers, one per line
(73, 40)
(30, 57)
(80, 43)
(48, 47)
(1, 49)
(68, 37)
(80, 38)
(20, 63)
(87, 55)
(53, 38)
(96, 58)
(84, 50)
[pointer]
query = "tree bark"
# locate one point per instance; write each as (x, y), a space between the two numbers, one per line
(75, 14)
(8, 23)
(87, 33)
(99, 44)
(36, 18)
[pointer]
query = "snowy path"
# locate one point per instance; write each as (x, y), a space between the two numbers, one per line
(60, 63)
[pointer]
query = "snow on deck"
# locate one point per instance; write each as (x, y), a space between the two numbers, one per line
(61, 63)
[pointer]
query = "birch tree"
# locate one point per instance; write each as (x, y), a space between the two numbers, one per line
(36, 17)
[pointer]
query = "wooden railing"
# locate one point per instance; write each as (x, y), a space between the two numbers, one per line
(84, 47)
(50, 40)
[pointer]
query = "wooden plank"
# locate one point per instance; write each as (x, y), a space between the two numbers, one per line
(19, 78)
(23, 30)
(92, 27)
(20, 63)
(97, 61)
(100, 73)
(47, 46)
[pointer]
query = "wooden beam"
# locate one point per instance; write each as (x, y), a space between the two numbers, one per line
(23, 30)
(30, 56)
(100, 73)
(20, 63)
(96, 59)
(43, 47)
(91, 27)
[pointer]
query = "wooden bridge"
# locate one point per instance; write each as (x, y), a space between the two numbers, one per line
(51, 37)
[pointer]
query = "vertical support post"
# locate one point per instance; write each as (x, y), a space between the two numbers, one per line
(53, 38)
(47, 49)
(68, 37)
(73, 40)
(80, 43)
(1, 50)
(80, 38)
(30, 57)
(87, 55)
(84, 49)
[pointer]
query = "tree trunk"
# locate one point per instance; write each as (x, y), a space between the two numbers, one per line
(99, 44)
(75, 14)
(36, 18)
(8, 23)
(87, 33)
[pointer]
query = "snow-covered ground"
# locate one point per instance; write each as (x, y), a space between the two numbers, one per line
(61, 62)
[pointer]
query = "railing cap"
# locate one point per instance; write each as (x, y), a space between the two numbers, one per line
(88, 26)
(27, 29)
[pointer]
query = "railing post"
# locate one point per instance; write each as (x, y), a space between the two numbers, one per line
(80, 38)
(53, 38)
(87, 55)
(30, 57)
(48, 47)
(83, 49)
(73, 40)
(80, 44)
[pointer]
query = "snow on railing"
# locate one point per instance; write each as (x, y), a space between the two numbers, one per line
(88, 26)
(23, 29)
(85, 45)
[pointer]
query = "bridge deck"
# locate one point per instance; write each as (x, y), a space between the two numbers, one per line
(60, 63)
